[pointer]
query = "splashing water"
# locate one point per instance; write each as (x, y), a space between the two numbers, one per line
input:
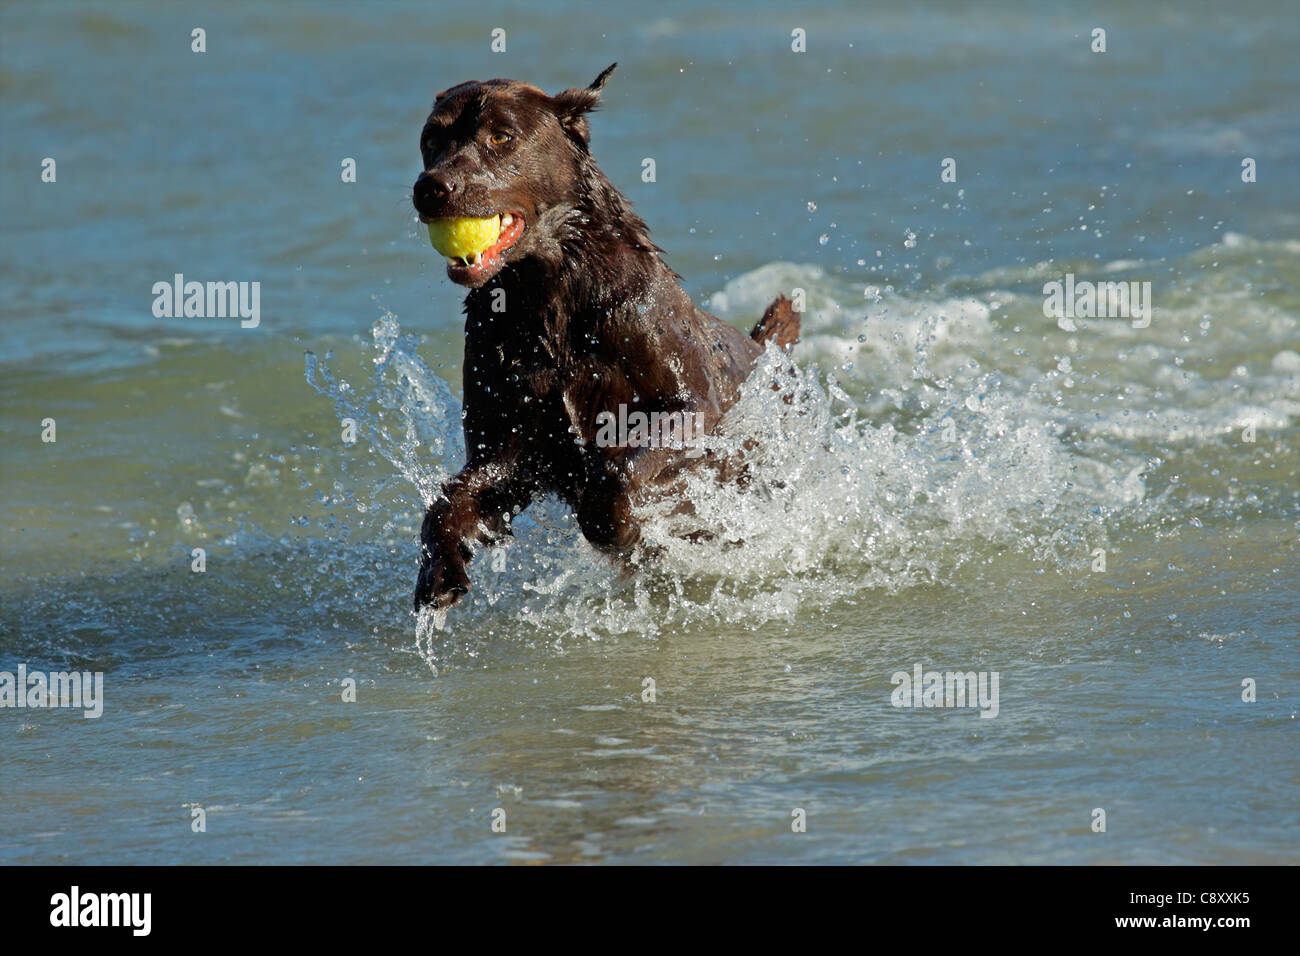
(402, 384)
(849, 489)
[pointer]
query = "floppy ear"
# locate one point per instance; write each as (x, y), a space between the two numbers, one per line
(452, 89)
(572, 105)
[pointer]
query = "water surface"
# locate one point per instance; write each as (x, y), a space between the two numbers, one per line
(937, 494)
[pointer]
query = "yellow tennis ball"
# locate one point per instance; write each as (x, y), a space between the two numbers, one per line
(462, 238)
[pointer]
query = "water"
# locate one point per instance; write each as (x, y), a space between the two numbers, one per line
(937, 491)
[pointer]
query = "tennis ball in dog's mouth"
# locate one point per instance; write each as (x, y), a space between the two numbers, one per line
(462, 238)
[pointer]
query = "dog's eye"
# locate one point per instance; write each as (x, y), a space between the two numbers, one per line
(498, 139)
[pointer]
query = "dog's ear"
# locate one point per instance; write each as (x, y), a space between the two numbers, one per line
(443, 94)
(573, 105)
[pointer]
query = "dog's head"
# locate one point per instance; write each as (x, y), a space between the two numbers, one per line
(505, 149)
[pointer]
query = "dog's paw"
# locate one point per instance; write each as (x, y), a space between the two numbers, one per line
(441, 582)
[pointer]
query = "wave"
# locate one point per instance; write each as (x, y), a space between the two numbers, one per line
(913, 437)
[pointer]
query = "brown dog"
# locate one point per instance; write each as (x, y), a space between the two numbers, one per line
(574, 325)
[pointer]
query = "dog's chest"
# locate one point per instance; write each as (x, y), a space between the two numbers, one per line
(545, 376)
(524, 376)
(529, 376)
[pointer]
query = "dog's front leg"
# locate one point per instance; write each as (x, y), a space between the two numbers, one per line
(472, 507)
(604, 511)
(611, 491)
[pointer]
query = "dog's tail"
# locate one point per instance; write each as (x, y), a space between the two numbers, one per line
(779, 322)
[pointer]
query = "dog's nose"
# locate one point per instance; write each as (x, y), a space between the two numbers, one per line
(430, 188)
